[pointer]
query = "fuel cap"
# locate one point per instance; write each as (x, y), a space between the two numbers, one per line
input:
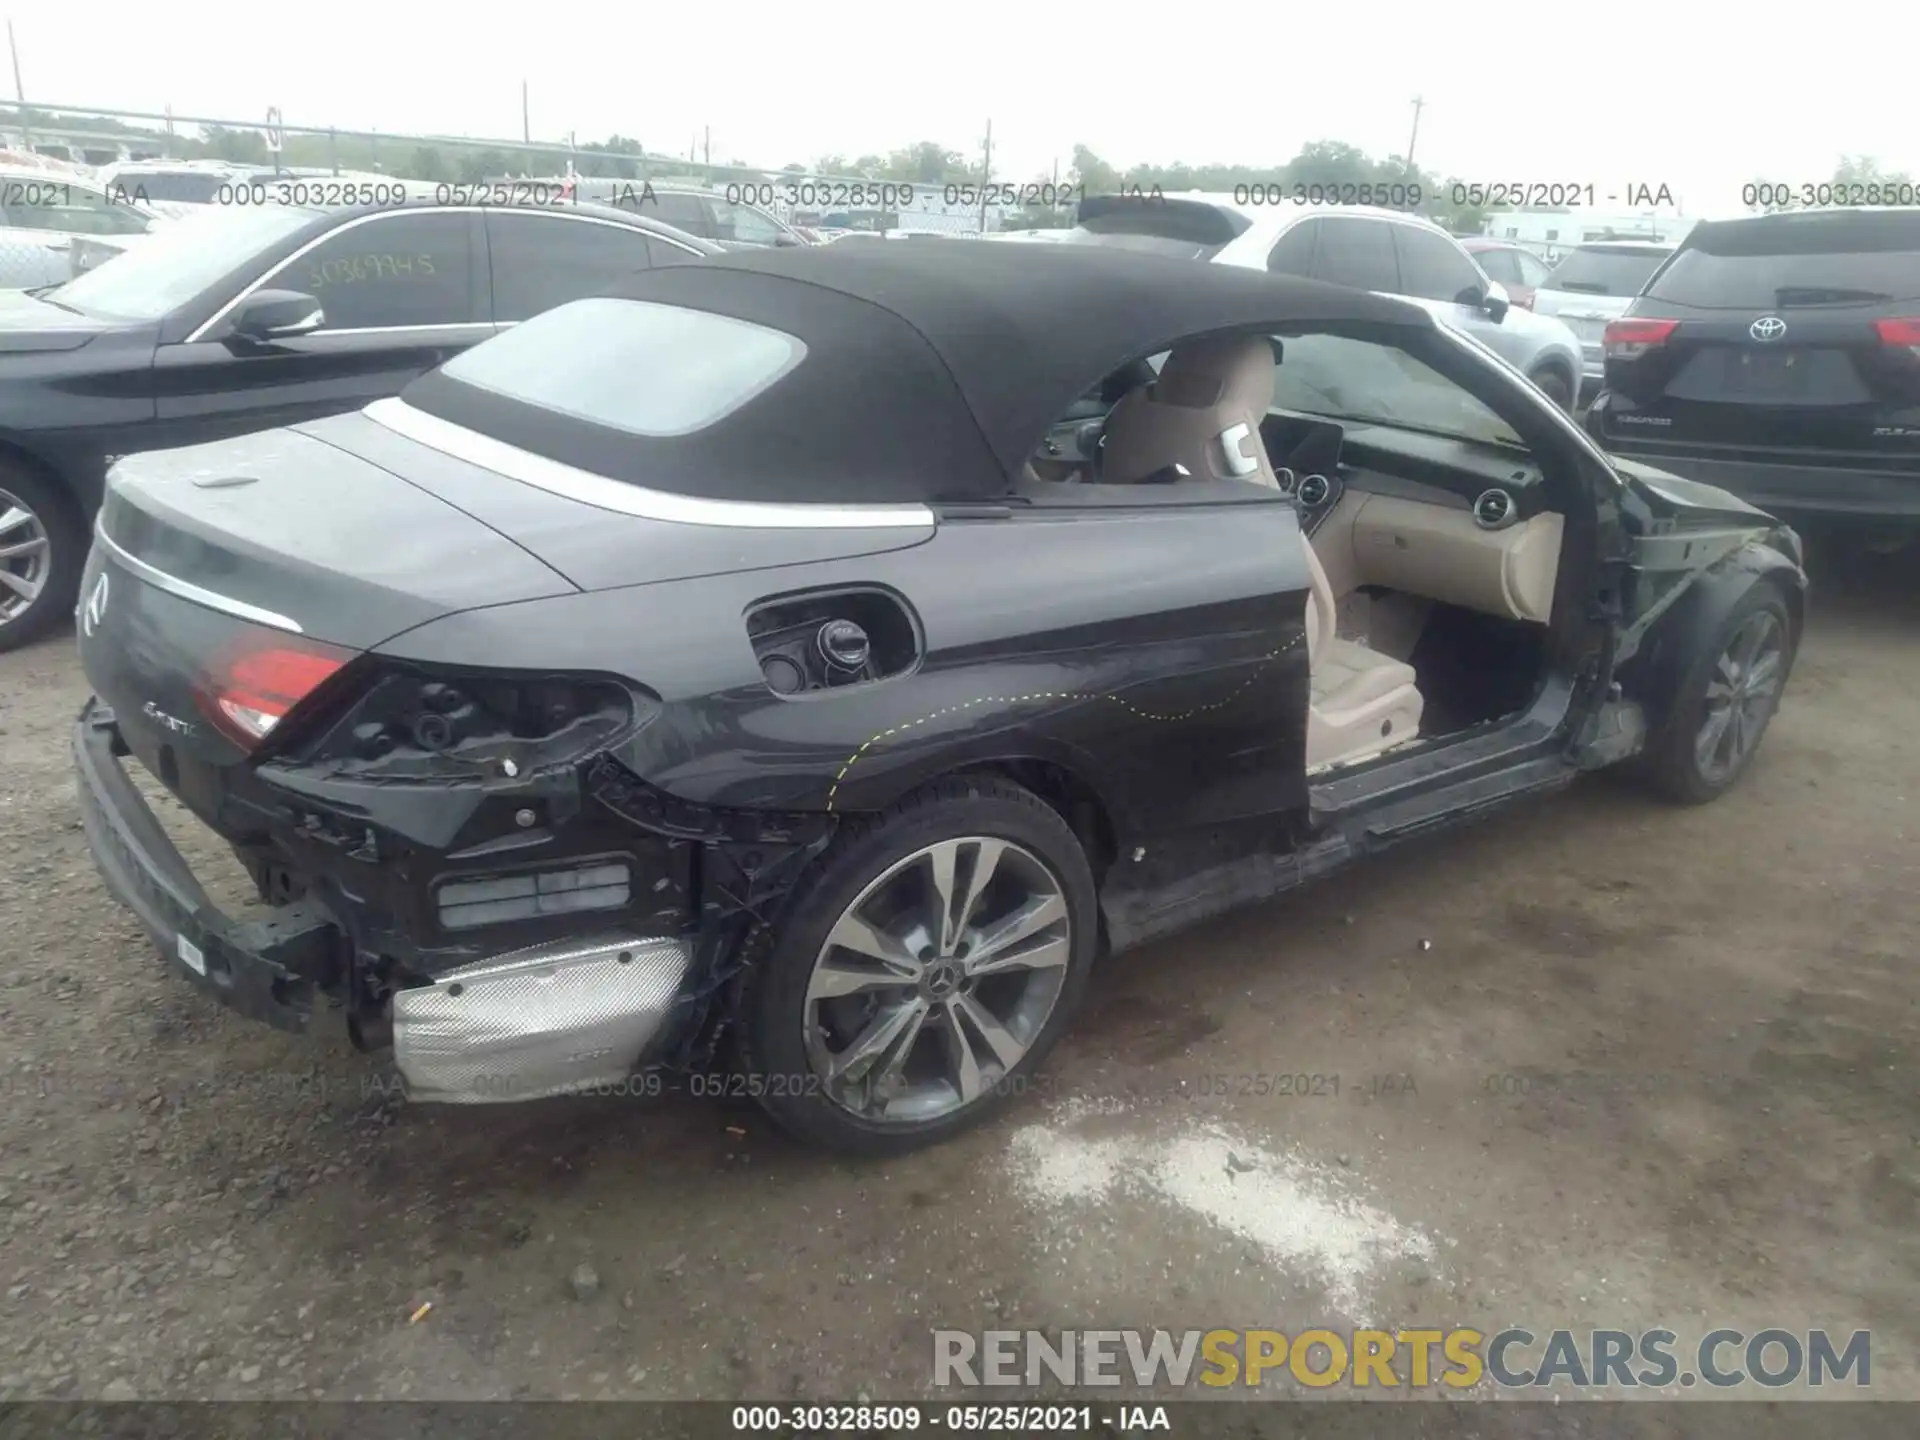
(844, 644)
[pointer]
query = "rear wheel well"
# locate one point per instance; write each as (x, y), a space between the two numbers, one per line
(1076, 802)
(1562, 371)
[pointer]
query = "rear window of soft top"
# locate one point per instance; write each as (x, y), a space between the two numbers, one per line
(632, 365)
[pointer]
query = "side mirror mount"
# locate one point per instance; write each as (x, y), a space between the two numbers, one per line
(268, 315)
(1494, 301)
(787, 238)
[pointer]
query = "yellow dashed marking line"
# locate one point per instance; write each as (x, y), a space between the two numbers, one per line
(1128, 705)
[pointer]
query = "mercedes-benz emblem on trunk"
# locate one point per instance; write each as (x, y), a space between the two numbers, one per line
(96, 607)
(1767, 327)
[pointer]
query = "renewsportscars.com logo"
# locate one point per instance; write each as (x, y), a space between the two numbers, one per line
(1459, 1358)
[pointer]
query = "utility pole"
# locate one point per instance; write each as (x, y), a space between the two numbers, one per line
(706, 148)
(986, 174)
(526, 125)
(19, 90)
(1418, 105)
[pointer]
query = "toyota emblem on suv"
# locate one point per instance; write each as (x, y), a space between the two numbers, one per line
(1767, 327)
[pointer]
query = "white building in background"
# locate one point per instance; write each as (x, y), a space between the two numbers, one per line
(1551, 234)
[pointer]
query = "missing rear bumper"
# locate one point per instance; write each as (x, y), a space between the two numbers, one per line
(266, 969)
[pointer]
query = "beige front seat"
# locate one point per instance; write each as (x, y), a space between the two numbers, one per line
(1363, 702)
(1203, 415)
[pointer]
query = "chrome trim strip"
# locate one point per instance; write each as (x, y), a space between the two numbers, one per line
(420, 332)
(604, 494)
(187, 590)
(360, 220)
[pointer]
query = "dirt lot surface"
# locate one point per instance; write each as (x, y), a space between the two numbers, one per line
(1596, 1062)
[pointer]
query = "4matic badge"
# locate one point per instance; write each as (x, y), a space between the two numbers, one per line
(168, 722)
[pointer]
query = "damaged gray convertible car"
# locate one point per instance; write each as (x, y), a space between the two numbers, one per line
(806, 664)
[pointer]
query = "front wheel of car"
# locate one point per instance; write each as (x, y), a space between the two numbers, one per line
(42, 550)
(1725, 701)
(934, 955)
(1555, 386)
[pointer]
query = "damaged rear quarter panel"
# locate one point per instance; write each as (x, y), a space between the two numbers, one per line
(1154, 655)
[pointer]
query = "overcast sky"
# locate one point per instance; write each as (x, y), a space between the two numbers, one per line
(1701, 97)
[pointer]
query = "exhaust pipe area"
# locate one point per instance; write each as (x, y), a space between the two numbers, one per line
(549, 1020)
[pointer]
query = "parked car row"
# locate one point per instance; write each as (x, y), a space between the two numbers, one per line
(242, 319)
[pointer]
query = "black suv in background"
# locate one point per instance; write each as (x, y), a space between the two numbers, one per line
(1779, 357)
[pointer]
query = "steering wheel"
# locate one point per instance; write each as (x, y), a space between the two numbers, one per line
(1079, 444)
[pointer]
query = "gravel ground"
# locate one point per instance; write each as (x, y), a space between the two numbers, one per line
(1596, 1062)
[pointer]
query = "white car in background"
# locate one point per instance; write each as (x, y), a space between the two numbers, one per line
(1595, 283)
(1365, 247)
(177, 188)
(48, 215)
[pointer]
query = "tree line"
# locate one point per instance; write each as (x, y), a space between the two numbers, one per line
(1323, 163)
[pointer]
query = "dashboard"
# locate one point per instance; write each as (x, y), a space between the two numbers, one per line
(1317, 461)
(1450, 519)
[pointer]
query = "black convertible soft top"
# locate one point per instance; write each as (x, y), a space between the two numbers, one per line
(933, 367)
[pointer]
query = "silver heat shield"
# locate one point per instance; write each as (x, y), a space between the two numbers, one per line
(549, 1020)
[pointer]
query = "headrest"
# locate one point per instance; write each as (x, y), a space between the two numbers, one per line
(1234, 369)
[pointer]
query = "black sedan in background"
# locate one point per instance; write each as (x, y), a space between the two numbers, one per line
(249, 318)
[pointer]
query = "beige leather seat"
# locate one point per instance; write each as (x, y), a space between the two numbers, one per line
(1363, 702)
(1203, 415)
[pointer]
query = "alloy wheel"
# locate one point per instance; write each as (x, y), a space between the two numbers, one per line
(937, 980)
(26, 555)
(1742, 689)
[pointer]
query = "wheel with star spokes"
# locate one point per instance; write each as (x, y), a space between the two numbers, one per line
(932, 961)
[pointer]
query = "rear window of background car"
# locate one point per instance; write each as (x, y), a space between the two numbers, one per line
(1605, 270)
(1797, 260)
(186, 187)
(391, 271)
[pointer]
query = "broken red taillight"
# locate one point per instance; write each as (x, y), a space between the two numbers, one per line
(1629, 339)
(257, 685)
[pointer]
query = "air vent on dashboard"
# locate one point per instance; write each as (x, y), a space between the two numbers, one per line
(1494, 510)
(1285, 479)
(1314, 490)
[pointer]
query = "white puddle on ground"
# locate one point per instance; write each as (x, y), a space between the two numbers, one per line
(1302, 1216)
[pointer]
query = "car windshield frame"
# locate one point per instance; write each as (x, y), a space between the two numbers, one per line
(178, 262)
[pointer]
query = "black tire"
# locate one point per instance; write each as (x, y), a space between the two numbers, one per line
(1556, 386)
(54, 517)
(774, 1019)
(1671, 765)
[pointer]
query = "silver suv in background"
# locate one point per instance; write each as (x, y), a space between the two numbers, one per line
(1367, 248)
(1592, 284)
